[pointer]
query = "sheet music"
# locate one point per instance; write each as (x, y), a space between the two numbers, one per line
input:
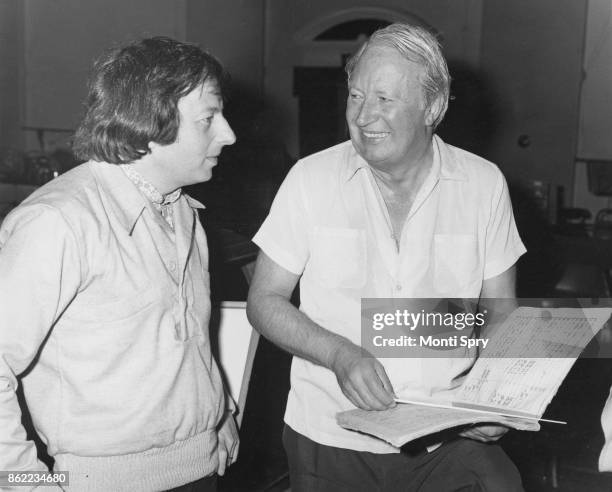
(406, 422)
(528, 384)
(530, 354)
(537, 332)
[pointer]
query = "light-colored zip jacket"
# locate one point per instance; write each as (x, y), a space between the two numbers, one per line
(107, 310)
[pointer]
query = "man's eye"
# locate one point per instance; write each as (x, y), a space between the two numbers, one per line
(355, 96)
(207, 120)
(383, 99)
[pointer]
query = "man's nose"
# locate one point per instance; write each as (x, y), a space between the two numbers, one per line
(226, 135)
(367, 113)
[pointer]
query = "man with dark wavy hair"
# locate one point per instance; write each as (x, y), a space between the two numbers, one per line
(105, 287)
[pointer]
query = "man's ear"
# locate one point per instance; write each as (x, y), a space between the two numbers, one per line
(155, 149)
(434, 110)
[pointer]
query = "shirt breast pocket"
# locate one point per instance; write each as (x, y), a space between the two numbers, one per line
(456, 260)
(338, 257)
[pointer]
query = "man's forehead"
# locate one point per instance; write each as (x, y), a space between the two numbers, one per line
(209, 89)
(206, 96)
(383, 64)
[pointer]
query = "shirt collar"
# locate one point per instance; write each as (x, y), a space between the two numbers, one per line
(445, 166)
(148, 189)
(126, 202)
(354, 162)
(449, 164)
(193, 203)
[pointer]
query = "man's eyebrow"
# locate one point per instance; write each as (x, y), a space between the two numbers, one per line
(212, 108)
(214, 91)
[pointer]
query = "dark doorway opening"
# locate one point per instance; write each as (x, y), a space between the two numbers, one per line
(321, 92)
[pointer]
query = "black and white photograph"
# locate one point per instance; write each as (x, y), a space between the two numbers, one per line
(306, 245)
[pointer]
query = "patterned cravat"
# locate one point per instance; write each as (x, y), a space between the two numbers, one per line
(162, 203)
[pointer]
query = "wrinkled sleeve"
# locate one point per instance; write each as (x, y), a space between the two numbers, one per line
(284, 234)
(39, 276)
(503, 243)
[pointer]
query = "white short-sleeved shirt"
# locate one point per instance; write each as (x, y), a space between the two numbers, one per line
(329, 224)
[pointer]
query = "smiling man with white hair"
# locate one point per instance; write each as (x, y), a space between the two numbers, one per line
(394, 212)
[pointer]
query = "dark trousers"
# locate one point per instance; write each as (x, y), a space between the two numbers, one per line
(459, 465)
(206, 484)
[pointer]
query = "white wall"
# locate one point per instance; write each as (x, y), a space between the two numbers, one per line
(595, 129)
(61, 39)
(531, 57)
(232, 30)
(595, 125)
(11, 63)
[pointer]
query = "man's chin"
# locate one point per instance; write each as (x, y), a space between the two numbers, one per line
(207, 170)
(204, 176)
(369, 155)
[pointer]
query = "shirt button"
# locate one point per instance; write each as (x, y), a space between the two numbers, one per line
(398, 287)
(172, 266)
